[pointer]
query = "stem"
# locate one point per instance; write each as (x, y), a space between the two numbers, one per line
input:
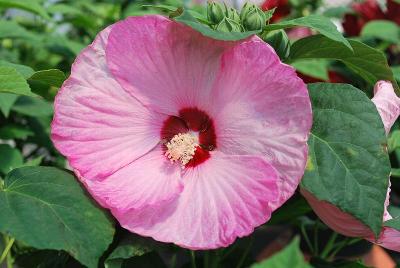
(246, 252)
(229, 251)
(329, 245)
(315, 238)
(173, 261)
(339, 246)
(303, 231)
(9, 243)
(193, 258)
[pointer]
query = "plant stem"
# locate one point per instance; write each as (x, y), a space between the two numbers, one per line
(329, 245)
(193, 259)
(206, 259)
(303, 231)
(246, 252)
(8, 244)
(339, 246)
(315, 238)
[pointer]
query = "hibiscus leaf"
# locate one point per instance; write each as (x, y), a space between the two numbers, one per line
(382, 29)
(290, 256)
(24, 70)
(11, 81)
(369, 63)
(47, 208)
(12, 131)
(189, 20)
(348, 165)
(321, 24)
(52, 77)
(394, 140)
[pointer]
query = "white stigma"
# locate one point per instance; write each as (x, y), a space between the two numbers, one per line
(181, 147)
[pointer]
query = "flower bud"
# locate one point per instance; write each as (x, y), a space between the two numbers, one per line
(229, 25)
(279, 41)
(215, 12)
(254, 19)
(232, 14)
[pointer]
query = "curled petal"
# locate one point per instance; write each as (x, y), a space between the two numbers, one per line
(338, 220)
(387, 103)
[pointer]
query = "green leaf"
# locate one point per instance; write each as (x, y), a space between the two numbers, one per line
(315, 68)
(321, 24)
(382, 29)
(290, 256)
(47, 208)
(295, 207)
(10, 158)
(337, 12)
(11, 29)
(32, 107)
(7, 100)
(24, 70)
(33, 6)
(13, 82)
(393, 223)
(131, 246)
(369, 63)
(11, 131)
(394, 140)
(348, 165)
(34, 162)
(187, 19)
(395, 172)
(52, 77)
(320, 263)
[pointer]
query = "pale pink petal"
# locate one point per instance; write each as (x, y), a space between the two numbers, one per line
(389, 238)
(338, 220)
(224, 198)
(261, 107)
(164, 64)
(148, 181)
(97, 125)
(387, 103)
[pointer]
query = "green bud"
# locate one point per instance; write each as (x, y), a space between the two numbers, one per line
(232, 14)
(245, 9)
(254, 19)
(279, 41)
(229, 25)
(215, 12)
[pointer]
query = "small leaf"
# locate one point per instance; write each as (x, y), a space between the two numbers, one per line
(290, 256)
(52, 77)
(13, 82)
(131, 246)
(33, 6)
(47, 208)
(11, 29)
(7, 100)
(395, 172)
(320, 263)
(369, 63)
(321, 24)
(33, 162)
(10, 158)
(187, 19)
(396, 72)
(382, 29)
(11, 131)
(348, 164)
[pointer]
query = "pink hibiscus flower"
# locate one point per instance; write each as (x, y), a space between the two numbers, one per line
(388, 105)
(184, 138)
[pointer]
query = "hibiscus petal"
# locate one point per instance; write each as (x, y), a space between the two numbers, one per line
(224, 198)
(387, 103)
(263, 108)
(97, 125)
(338, 220)
(389, 238)
(164, 64)
(148, 181)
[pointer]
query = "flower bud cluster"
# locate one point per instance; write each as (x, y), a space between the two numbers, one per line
(227, 19)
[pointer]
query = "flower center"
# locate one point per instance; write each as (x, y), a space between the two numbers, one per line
(189, 137)
(182, 147)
